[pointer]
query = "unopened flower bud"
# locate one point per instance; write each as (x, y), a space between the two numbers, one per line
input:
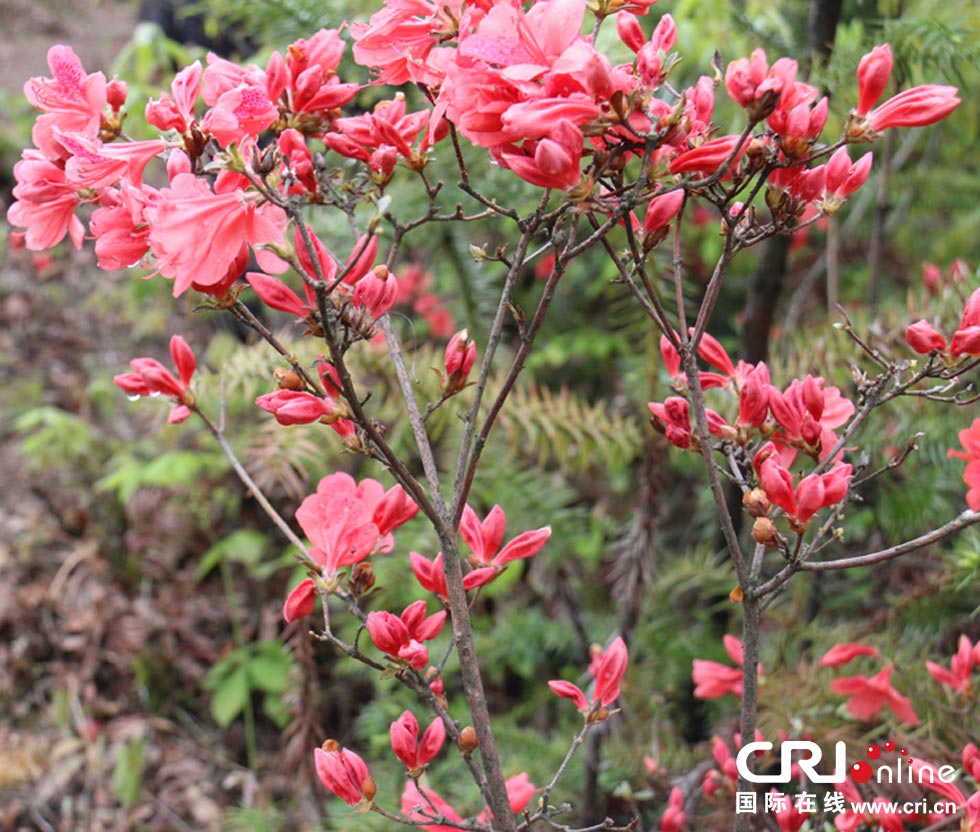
(288, 379)
(115, 94)
(362, 578)
(459, 360)
(467, 740)
(764, 532)
(756, 502)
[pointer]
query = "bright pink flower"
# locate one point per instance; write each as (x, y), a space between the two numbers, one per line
(458, 362)
(798, 127)
(961, 668)
(417, 807)
(297, 407)
(308, 76)
(845, 653)
(95, 166)
(243, 111)
(299, 602)
(869, 695)
(150, 377)
(808, 410)
(753, 403)
(431, 575)
(397, 40)
(924, 339)
(843, 178)
(121, 234)
(45, 204)
(713, 680)
(917, 107)
(401, 637)
(389, 125)
(661, 210)
(337, 523)
(233, 219)
(707, 158)
(971, 760)
(344, 773)
(672, 358)
(484, 539)
(674, 819)
(72, 101)
(177, 112)
(607, 668)
(550, 162)
(970, 440)
(759, 88)
(873, 73)
(711, 350)
(394, 509)
(414, 753)
(277, 295)
(376, 291)
(788, 817)
(520, 790)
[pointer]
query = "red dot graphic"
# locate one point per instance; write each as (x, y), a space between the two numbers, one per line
(904, 752)
(873, 752)
(861, 772)
(889, 745)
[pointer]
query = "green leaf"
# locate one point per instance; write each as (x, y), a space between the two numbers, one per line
(230, 697)
(243, 546)
(268, 667)
(127, 777)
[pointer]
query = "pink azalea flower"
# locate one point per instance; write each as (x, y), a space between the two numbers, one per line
(416, 754)
(45, 204)
(917, 107)
(961, 668)
(458, 362)
(970, 440)
(873, 73)
(299, 602)
(431, 574)
(72, 101)
(243, 111)
(344, 773)
(713, 680)
(607, 669)
(551, 162)
(674, 819)
(484, 539)
(845, 653)
(868, 696)
(196, 234)
(177, 112)
(150, 377)
(121, 234)
(401, 637)
(338, 525)
(96, 166)
(414, 804)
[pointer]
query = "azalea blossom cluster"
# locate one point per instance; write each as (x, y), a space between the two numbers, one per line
(771, 428)
(244, 150)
